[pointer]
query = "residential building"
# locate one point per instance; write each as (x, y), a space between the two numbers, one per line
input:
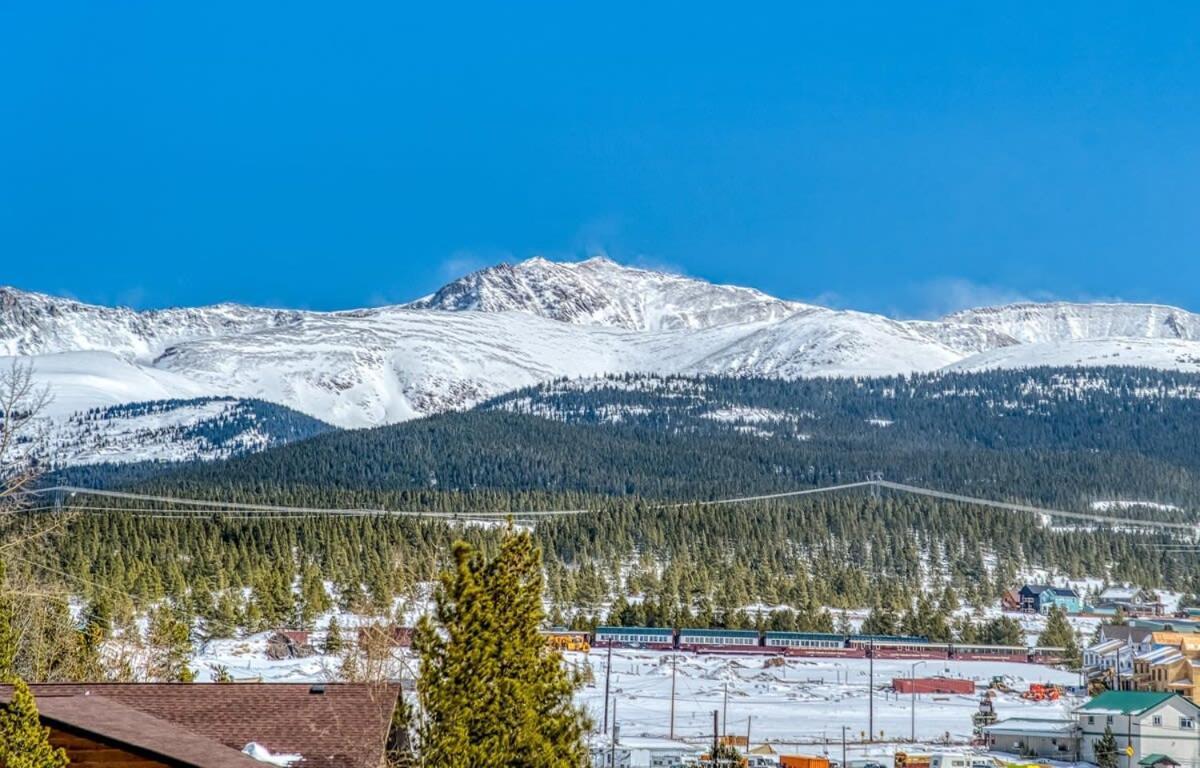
(1112, 656)
(1032, 737)
(207, 725)
(1040, 598)
(1131, 601)
(1151, 723)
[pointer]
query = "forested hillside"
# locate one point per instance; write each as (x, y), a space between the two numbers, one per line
(622, 447)
(1061, 437)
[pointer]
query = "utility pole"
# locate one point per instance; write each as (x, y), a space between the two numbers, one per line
(843, 747)
(674, 663)
(725, 713)
(607, 677)
(870, 692)
(714, 749)
(749, 718)
(616, 732)
(912, 678)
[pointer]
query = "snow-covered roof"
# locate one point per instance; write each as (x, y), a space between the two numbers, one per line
(1157, 655)
(1106, 647)
(1120, 593)
(1033, 727)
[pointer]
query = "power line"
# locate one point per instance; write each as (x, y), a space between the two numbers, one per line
(207, 507)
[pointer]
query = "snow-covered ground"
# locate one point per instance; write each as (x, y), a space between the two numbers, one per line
(801, 700)
(785, 700)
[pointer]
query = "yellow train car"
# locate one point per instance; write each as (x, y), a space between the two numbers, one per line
(567, 640)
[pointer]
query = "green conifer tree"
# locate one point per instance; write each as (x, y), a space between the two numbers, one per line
(24, 741)
(1107, 753)
(491, 692)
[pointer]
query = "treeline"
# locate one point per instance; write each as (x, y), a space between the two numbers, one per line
(677, 567)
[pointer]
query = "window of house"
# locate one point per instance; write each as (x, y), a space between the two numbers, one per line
(1109, 720)
(1091, 719)
(1156, 720)
(1186, 722)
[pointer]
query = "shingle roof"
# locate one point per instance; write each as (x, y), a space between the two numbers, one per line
(118, 724)
(1126, 702)
(344, 727)
(1125, 633)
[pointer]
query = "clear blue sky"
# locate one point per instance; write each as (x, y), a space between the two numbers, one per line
(331, 155)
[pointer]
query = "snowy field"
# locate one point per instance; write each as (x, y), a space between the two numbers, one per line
(804, 700)
(801, 701)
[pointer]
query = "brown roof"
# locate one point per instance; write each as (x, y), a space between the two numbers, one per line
(116, 723)
(345, 725)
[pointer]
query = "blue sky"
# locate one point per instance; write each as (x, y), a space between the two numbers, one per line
(909, 159)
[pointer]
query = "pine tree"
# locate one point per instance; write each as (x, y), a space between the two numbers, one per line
(171, 647)
(491, 692)
(1106, 750)
(333, 637)
(24, 742)
(1058, 634)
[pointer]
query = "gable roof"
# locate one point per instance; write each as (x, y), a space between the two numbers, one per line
(1130, 702)
(1157, 758)
(124, 726)
(1125, 633)
(337, 725)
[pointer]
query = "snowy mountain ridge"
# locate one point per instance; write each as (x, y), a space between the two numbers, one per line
(510, 326)
(599, 291)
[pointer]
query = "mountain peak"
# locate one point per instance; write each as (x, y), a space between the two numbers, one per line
(600, 291)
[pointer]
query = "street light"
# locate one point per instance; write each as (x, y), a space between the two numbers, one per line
(912, 676)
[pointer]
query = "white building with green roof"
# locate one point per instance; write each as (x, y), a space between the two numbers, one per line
(1151, 723)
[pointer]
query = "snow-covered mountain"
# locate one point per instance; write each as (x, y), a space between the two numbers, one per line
(515, 325)
(599, 291)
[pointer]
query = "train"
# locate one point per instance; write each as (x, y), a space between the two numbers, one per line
(807, 644)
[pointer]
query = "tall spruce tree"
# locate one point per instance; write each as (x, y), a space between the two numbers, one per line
(491, 692)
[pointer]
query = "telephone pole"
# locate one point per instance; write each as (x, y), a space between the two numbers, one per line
(870, 692)
(843, 747)
(674, 660)
(616, 732)
(714, 749)
(607, 677)
(725, 713)
(749, 719)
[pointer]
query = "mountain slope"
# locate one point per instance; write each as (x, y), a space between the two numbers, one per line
(513, 326)
(175, 430)
(1032, 436)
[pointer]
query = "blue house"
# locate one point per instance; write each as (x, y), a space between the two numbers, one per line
(1040, 598)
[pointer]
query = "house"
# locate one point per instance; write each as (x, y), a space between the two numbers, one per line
(208, 725)
(1130, 601)
(1152, 723)
(1112, 656)
(644, 753)
(1031, 737)
(1040, 598)
(1010, 600)
(289, 644)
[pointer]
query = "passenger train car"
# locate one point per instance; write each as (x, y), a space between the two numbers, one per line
(813, 644)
